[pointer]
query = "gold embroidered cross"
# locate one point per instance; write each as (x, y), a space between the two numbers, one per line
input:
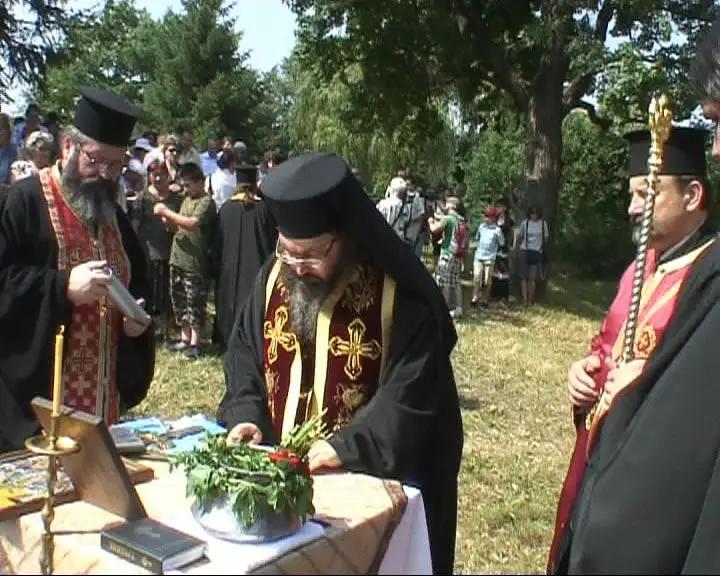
(276, 334)
(355, 349)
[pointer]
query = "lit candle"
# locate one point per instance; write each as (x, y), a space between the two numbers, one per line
(57, 381)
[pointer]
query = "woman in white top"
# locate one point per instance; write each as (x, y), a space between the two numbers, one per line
(532, 235)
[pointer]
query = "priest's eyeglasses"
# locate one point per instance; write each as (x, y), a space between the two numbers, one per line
(311, 262)
(113, 167)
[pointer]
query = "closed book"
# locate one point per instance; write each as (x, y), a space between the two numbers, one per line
(152, 545)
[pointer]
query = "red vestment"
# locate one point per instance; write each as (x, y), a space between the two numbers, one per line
(657, 305)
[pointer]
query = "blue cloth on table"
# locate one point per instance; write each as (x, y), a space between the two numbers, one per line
(178, 445)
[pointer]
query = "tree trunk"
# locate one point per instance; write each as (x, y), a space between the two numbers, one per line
(543, 146)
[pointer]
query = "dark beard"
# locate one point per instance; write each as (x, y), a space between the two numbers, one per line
(305, 297)
(91, 199)
(306, 294)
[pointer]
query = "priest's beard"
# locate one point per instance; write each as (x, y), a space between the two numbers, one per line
(92, 199)
(306, 295)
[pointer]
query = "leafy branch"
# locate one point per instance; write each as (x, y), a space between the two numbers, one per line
(255, 481)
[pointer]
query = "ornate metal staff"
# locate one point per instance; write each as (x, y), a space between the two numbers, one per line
(660, 126)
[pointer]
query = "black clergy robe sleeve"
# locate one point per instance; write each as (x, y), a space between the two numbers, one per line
(385, 438)
(33, 303)
(136, 356)
(245, 398)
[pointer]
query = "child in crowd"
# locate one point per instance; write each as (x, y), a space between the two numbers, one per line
(489, 240)
(189, 257)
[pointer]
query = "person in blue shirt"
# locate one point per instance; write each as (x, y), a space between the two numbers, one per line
(489, 240)
(210, 158)
(8, 151)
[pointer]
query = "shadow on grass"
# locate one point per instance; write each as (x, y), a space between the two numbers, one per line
(588, 299)
(469, 402)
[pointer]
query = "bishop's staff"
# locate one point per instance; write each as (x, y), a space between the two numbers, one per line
(660, 126)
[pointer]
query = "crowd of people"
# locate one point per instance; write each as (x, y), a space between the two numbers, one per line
(325, 306)
(502, 249)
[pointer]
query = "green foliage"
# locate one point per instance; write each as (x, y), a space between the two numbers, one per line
(593, 227)
(323, 118)
(200, 79)
(541, 58)
(186, 70)
(28, 42)
(254, 481)
(494, 168)
(111, 48)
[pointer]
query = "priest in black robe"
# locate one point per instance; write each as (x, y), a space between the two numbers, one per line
(245, 238)
(649, 500)
(60, 232)
(347, 320)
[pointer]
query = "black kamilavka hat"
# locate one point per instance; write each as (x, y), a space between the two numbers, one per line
(300, 194)
(105, 117)
(312, 194)
(683, 153)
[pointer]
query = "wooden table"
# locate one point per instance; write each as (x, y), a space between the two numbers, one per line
(361, 511)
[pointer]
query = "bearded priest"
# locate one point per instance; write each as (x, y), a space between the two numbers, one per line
(59, 232)
(344, 318)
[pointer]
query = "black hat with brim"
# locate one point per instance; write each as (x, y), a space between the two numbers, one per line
(105, 117)
(683, 153)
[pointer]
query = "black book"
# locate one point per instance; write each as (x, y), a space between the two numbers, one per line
(152, 545)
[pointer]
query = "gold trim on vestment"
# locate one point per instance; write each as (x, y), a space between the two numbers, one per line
(387, 310)
(322, 341)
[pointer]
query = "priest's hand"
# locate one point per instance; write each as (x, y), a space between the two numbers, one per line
(322, 455)
(620, 377)
(244, 433)
(133, 328)
(87, 282)
(581, 386)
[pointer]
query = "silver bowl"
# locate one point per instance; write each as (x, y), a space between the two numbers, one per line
(220, 521)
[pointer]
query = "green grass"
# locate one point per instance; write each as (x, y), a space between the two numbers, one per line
(511, 368)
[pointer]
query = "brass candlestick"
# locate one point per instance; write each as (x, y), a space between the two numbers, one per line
(52, 446)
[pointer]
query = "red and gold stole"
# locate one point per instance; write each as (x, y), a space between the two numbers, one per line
(352, 337)
(657, 306)
(91, 342)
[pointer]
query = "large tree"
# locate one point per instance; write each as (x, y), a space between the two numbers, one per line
(201, 80)
(110, 47)
(30, 31)
(540, 57)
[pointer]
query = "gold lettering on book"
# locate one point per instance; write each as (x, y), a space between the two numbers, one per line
(122, 551)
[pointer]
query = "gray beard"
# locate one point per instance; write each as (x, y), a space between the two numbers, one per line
(91, 199)
(307, 294)
(305, 297)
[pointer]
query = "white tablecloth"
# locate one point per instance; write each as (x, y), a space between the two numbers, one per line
(407, 553)
(409, 549)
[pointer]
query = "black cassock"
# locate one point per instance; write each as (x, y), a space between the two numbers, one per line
(244, 239)
(410, 430)
(33, 303)
(650, 499)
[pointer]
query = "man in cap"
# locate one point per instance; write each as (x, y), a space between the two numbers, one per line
(642, 488)
(345, 319)
(60, 231)
(245, 238)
